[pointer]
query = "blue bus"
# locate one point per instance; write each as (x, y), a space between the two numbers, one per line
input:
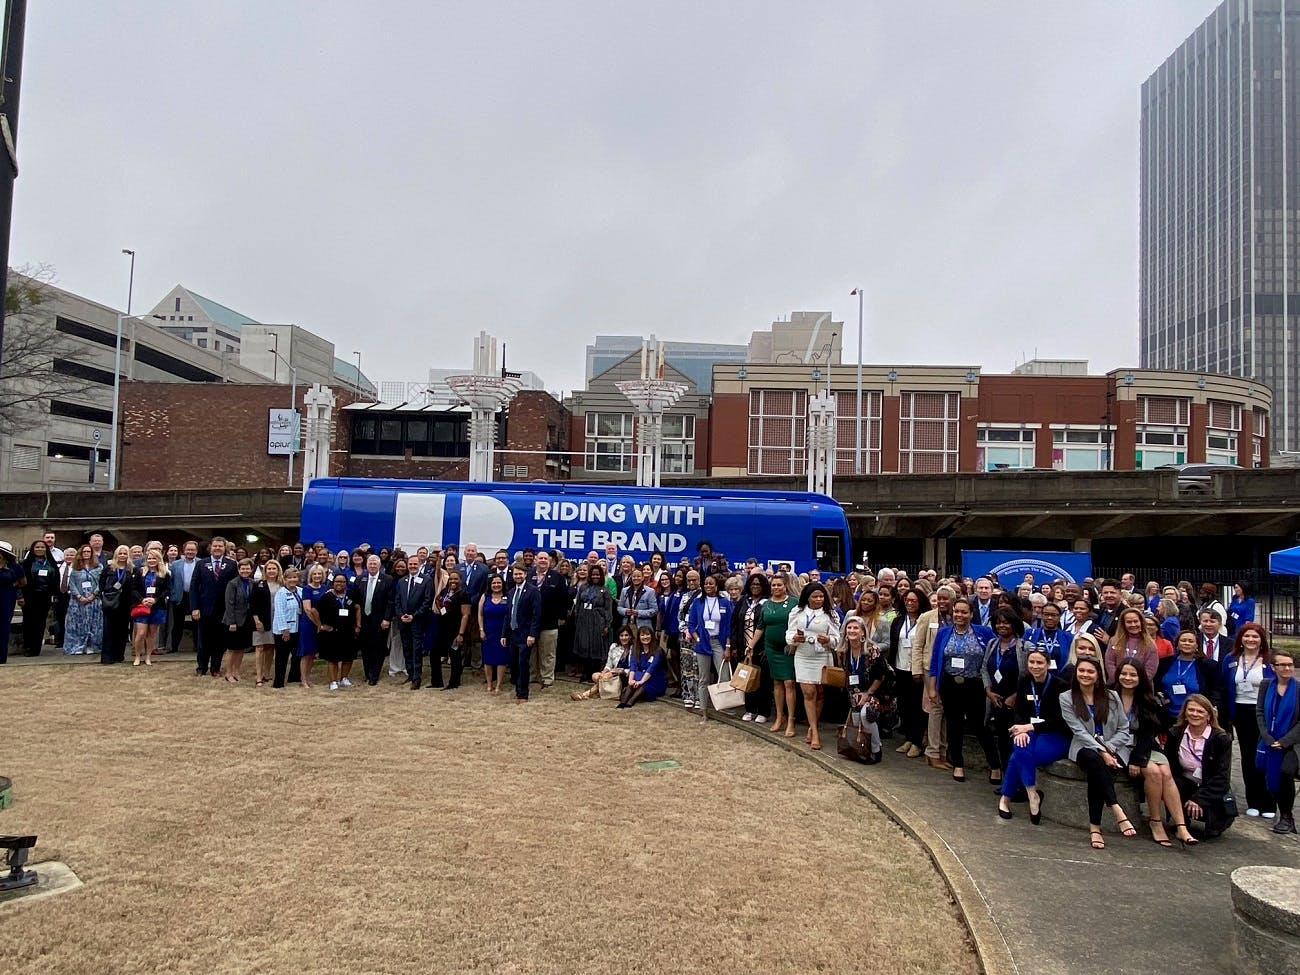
(801, 529)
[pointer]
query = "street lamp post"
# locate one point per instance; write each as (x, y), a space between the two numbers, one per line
(857, 424)
(293, 397)
(117, 377)
(358, 355)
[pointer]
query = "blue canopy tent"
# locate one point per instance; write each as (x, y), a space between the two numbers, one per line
(1286, 562)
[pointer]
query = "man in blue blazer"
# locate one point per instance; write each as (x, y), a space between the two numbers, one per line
(523, 623)
(181, 573)
(473, 579)
(208, 605)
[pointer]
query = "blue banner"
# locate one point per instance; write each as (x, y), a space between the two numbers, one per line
(1011, 567)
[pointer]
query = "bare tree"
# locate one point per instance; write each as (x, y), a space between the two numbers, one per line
(31, 345)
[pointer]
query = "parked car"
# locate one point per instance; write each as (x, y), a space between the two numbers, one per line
(1197, 478)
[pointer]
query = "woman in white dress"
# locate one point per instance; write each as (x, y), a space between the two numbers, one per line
(813, 632)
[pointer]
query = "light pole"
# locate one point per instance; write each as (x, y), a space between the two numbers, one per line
(358, 355)
(293, 397)
(117, 376)
(857, 423)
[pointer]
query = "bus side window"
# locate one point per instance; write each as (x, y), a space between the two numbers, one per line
(828, 550)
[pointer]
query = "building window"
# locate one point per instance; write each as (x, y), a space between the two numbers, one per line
(609, 442)
(26, 457)
(78, 370)
(846, 431)
(1161, 431)
(778, 430)
(83, 331)
(72, 451)
(203, 343)
(1223, 424)
(927, 433)
(1003, 447)
(424, 436)
(677, 451)
(76, 411)
(178, 305)
(1081, 449)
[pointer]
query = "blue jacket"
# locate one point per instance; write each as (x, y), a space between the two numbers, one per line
(982, 633)
(647, 607)
(668, 612)
(1037, 638)
(695, 622)
(176, 571)
(1240, 612)
(527, 613)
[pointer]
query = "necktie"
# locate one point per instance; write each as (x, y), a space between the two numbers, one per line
(1209, 651)
(410, 588)
(370, 592)
(514, 609)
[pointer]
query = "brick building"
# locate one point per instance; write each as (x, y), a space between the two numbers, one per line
(948, 419)
(216, 435)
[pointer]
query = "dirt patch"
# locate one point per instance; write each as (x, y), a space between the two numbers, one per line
(242, 829)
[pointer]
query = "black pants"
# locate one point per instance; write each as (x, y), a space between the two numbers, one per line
(180, 618)
(412, 635)
(457, 656)
(60, 616)
(117, 627)
(285, 651)
(759, 702)
(36, 612)
(1213, 814)
(374, 648)
(1246, 726)
(520, 652)
(912, 718)
(212, 644)
(1285, 795)
(963, 708)
(1101, 783)
(1002, 719)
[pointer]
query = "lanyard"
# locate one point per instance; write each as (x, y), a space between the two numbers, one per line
(807, 619)
(1183, 671)
(1038, 697)
(905, 634)
(1092, 713)
(714, 611)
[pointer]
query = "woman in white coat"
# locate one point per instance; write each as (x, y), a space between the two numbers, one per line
(813, 632)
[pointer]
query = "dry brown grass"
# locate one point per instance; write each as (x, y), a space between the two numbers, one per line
(377, 830)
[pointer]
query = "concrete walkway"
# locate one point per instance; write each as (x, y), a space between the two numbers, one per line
(1038, 898)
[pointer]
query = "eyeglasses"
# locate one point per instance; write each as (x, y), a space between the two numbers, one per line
(1278, 665)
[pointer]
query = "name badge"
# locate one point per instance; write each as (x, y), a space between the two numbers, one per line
(117, 585)
(1032, 697)
(1179, 689)
(957, 665)
(86, 587)
(442, 610)
(934, 625)
(1036, 721)
(150, 590)
(997, 676)
(42, 572)
(711, 626)
(343, 611)
(853, 680)
(586, 605)
(1051, 664)
(419, 580)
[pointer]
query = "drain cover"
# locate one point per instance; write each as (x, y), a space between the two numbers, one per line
(662, 763)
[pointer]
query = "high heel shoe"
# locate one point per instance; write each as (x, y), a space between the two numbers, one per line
(1190, 840)
(1037, 817)
(1166, 842)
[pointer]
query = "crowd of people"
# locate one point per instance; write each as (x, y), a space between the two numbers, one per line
(1144, 689)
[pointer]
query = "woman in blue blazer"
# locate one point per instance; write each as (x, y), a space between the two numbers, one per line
(956, 667)
(708, 625)
(646, 679)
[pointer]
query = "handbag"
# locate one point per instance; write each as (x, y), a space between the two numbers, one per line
(725, 696)
(833, 676)
(139, 610)
(610, 688)
(746, 677)
(853, 743)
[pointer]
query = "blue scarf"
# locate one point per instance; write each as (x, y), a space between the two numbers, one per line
(1279, 718)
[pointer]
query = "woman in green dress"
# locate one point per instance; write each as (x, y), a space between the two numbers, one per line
(770, 629)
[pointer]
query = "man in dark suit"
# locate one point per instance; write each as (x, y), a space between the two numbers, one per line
(412, 599)
(556, 600)
(1214, 644)
(208, 605)
(501, 569)
(373, 592)
(523, 620)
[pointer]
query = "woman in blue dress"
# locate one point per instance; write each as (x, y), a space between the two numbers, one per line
(149, 588)
(83, 624)
(307, 626)
(647, 679)
(492, 623)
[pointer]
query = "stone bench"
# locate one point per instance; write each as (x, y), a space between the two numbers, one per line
(1065, 789)
(1266, 920)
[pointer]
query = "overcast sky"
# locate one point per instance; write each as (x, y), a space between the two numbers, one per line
(397, 175)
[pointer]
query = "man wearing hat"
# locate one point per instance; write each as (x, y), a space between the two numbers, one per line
(12, 580)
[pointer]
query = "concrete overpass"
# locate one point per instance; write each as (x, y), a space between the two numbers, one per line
(1020, 508)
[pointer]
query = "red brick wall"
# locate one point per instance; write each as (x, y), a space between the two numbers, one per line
(537, 423)
(207, 435)
(728, 431)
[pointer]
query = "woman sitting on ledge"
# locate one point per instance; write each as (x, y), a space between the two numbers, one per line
(1200, 758)
(1099, 745)
(617, 662)
(646, 679)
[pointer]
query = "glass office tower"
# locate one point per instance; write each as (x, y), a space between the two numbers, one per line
(1219, 158)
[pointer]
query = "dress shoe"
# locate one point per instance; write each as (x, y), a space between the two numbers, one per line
(914, 752)
(942, 764)
(1284, 824)
(373, 683)
(415, 685)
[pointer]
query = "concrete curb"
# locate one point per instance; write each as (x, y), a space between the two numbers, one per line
(991, 948)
